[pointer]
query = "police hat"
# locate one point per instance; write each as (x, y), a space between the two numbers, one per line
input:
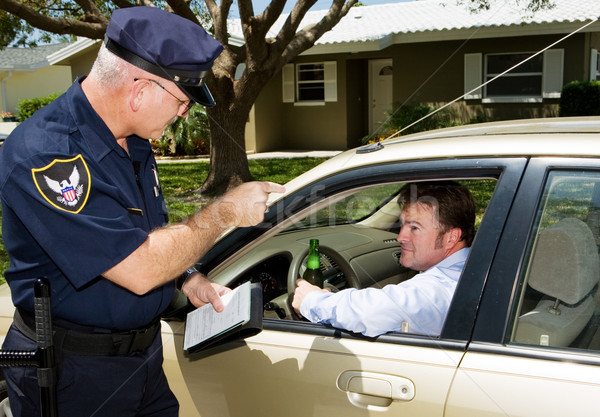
(166, 45)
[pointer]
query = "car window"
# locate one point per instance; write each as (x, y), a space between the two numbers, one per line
(352, 208)
(559, 305)
(357, 229)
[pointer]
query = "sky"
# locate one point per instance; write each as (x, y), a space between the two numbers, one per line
(259, 5)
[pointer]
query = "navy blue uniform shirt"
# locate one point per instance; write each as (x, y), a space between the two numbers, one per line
(75, 204)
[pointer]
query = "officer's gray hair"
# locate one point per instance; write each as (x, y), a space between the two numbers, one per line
(110, 70)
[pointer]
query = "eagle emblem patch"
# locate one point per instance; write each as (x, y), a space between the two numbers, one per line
(64, 183)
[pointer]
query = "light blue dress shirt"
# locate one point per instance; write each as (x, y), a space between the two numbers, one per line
(421, 303)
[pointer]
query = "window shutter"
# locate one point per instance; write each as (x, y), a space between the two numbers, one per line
(594, 65)
(330, 81)
(287, 78)
(552, 77)
(473, 76)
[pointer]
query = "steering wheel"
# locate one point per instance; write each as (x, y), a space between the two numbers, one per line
(294, 272)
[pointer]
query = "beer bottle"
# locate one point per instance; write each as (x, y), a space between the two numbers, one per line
(313, 273)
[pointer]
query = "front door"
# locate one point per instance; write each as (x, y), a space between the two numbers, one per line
(380, 93)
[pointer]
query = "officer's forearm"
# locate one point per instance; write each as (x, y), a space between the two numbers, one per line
(170, 250)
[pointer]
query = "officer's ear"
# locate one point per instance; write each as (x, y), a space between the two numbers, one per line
(136, 95)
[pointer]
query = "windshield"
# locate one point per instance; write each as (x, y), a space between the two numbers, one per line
(351, 209)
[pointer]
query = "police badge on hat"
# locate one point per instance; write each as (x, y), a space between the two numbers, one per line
(64, 183)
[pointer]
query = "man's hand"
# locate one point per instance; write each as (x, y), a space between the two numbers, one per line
(302, 289)
(201, 291)
(245, 205)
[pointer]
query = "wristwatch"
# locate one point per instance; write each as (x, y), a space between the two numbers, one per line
(183, 277)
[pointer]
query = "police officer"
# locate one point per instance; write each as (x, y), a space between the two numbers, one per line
(82, 206)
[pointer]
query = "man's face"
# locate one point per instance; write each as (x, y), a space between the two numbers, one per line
(166, 104)
(422, 245)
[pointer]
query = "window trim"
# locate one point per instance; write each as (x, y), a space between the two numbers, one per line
(594, 65)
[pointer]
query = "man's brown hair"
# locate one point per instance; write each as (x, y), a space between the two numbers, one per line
(452, 203)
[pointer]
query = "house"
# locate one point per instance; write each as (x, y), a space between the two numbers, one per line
(27, 73)
(425, 51)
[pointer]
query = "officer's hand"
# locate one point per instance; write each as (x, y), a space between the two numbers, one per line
(245, 205)
(201, 291)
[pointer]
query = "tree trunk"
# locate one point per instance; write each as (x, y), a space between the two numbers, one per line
(228, 160)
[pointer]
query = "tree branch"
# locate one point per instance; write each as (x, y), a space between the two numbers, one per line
(219, 14)
(307, 37)
(93, 24)
(122, 4)
(182, 8)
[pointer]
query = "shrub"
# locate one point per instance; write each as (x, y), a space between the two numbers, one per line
(29, 106)
(191, 135)
(404, 115)
(161, 146)
(580, 98)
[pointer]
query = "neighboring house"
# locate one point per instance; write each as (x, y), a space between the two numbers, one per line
(40, 71)
(425, 51)
(27, 73)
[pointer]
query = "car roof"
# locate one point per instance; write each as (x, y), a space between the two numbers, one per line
(566, 136)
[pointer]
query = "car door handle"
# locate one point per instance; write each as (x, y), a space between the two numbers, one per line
(374, 390)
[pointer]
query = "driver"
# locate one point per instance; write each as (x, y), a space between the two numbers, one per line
(437, 229)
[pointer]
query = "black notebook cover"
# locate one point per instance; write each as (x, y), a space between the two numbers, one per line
(248, 329)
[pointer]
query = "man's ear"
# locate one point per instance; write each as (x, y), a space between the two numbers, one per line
(453, 236)
(136, 94)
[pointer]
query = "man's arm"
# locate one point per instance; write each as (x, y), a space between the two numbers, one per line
(170, 250)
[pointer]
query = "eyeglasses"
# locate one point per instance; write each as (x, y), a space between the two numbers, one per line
(187, 104)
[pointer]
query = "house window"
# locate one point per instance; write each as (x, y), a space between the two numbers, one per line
(310, 83)
(523, 81)
(536, 78)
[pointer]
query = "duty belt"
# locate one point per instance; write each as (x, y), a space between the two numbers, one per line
(92, 344)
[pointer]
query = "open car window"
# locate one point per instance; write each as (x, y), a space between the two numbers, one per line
(357, 229)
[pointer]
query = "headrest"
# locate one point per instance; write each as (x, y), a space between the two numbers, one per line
(565, 263)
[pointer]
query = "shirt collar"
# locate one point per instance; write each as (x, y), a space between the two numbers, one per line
(457, 257)
(94, 131)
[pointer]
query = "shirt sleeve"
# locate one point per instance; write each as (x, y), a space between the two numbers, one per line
(421, 303)
(82, 244)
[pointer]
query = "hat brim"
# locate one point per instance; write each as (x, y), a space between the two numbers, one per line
(198, 94)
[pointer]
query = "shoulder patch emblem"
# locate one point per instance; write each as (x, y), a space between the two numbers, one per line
(64, 183)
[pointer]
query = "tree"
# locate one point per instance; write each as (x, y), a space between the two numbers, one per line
(263, 56)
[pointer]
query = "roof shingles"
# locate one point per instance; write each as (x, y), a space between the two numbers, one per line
(27, 58)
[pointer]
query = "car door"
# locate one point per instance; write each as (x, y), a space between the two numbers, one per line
(536, 345)
(296, 368)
